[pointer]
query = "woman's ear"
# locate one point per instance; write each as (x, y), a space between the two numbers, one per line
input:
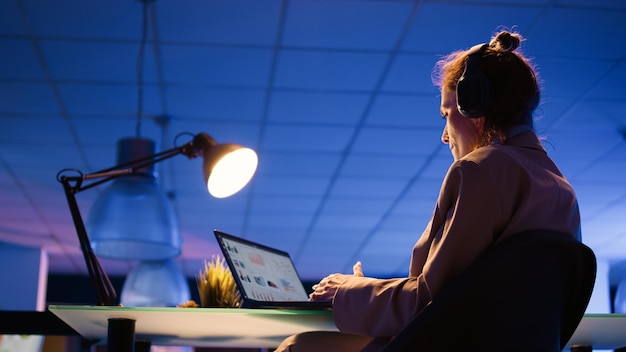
(479, 123)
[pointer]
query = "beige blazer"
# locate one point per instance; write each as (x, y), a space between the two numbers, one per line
(492, 193)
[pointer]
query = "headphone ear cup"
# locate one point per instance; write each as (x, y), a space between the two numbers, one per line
(473, 92)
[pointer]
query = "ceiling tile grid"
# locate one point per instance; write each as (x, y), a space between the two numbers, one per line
(336, 97)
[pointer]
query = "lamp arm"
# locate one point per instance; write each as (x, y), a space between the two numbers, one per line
(116, 171)
(105, 292)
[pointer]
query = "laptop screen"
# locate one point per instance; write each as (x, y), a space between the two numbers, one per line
(263, 273)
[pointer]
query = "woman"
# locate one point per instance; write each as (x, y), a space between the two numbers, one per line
(501, 183)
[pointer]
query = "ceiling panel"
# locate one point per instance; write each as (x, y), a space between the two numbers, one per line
(22, 62)
(381, 166)
(27, 98)
(306, 138)
(586, 115)
(91, 61)
(270, 220)
(374, 188)
(441, 27)
(371, 25)
(242, 22)
(11, 19)
(358, 205)
(113, 20)
(405, 111)
(50, 156)
(600, 4)
(560, 82)
(398, 141)
(567, 144)
(106, 99)
(285, 205)
(288, 163)
(592, 40)
(388, 243)
(215, 65)
(329, 70)
(293, 186)
(45, 130)
(221, 104)
(610, 85)
(316, 107)
(410, 73)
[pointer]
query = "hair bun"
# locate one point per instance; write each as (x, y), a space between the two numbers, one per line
(505, 41)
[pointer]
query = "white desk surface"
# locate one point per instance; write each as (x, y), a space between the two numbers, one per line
(201, 327)
(602, 331)
(265, 328)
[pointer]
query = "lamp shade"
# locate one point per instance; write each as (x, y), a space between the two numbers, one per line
(228, 168)
(155, 284)
(133, 219)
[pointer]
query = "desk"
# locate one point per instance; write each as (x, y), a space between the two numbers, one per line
(201, 327)
(266, 328)
(602, 331)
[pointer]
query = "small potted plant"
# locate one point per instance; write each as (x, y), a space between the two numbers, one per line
(216, 285)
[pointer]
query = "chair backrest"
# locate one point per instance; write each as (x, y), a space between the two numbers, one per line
(527, 293)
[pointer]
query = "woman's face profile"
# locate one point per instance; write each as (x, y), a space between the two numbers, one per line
(461, 134)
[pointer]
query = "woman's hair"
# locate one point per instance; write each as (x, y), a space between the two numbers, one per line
(512, 80)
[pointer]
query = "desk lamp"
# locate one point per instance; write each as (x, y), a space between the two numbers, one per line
(227, 168)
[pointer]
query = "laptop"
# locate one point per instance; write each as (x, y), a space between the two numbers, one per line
(265, 277)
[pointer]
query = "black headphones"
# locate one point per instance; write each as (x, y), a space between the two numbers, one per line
(473, 92)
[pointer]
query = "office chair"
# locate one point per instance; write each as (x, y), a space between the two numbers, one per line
(527, 293)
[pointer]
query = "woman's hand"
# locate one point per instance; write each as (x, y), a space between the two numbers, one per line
(325, 290)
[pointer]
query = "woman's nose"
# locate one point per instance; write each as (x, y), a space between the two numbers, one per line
(444, 136)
